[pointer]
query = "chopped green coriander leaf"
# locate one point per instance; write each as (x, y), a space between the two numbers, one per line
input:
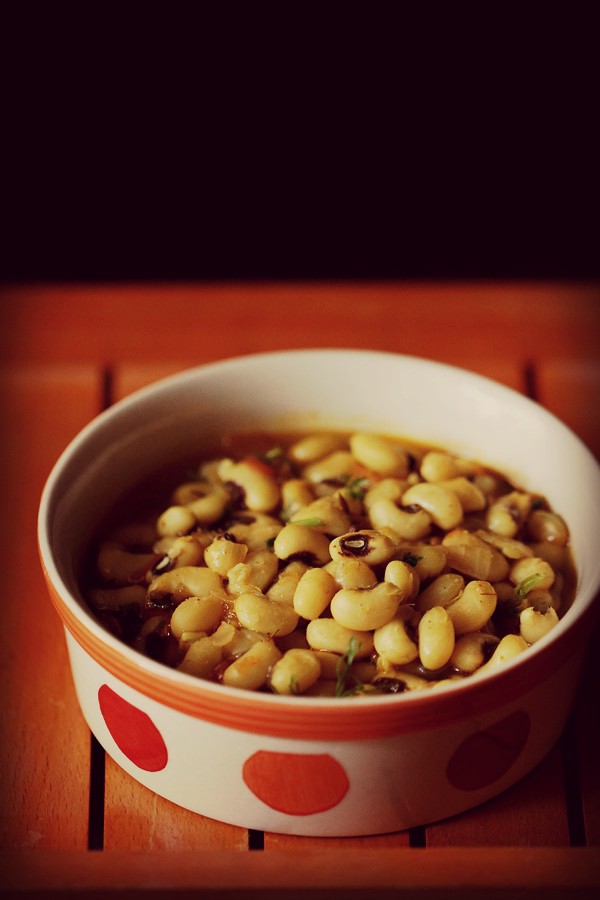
(343, 669)
(410, 558)
(294, 687)
(358, 487)
(528, 584)
(310, 522)
(273, 453)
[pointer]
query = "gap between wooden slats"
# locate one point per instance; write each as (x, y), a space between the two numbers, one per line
(45, 742)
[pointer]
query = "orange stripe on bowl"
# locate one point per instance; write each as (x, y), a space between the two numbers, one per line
(328, 719)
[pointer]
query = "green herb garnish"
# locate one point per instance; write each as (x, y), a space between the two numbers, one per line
(272, 454)
(342, 670)
(309, 522)
(410, 559)
(528, 584)
(357, 487)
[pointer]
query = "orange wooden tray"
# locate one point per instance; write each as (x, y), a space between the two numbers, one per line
(72, 822)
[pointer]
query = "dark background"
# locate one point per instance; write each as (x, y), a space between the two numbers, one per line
(273, 142)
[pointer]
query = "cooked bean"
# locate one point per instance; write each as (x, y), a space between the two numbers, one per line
(315, 446)
(197, 614)
(335, 466)
(223, 554)
(379, 454)
(201, 658)
(175, 520)
(251, 670)
(295, 672)
(302, 542)
(283, 588)
(351, 573)
(543, 525)
(471, 498)
(365, 610)
(441, 503)
(408, 525)
(257, 481)
(257, 612)
(186, 581)
(258, 571)
(436, 638)
(328, 513)
(373, 547)
(470, 651)
(404, 577)
(535, 568)
(510, 646)
(534, 625)
(442, 591)
(473, 608)
(474, 557)
(120, 566)
(327, 634)
(393, 642)
(313, 593)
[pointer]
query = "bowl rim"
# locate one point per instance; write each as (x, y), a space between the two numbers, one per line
(302, 717)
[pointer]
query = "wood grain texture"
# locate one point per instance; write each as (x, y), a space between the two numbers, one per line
(45, 742)
(56, 348)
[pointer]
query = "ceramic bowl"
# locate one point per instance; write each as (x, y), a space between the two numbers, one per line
(307, 765)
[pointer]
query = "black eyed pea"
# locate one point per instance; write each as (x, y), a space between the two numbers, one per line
(442, 504)
(351, 573)
(197, 614)
(327, 634)
(134, 534)
(118, 597)
(257, 613)
(256, 480)
(408, 525)
(534, 624)
(507, 514)
(187, 550)
(122, 567)
(438, 466)
(471, 651)
(258, 572)
(251, 670)
(393, 641)
(379, 454)
(327, 513)
(473, 608)
(554, 554)
(404, 577)
(239, 641)
(185, 581)
(427, 560)
(334, 467)
(543, 525)
(372, 547)
(302, 542)
(175, 520)
(209, 508)
(368, 609)
(257, 534)
(474, 557)
(471, 498)
(540, 572)
(508, 546)
(283, 588)
(295, 672)
(295, 494)
(313, 447)
(510, 646)
(442, 591)
(386, 489)
(201, 658)
(436, 638)
(313, 593)
(223, 554)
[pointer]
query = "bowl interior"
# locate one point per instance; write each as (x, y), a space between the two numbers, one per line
(422, 400)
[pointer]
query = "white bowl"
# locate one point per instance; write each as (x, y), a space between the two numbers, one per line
(307, 765)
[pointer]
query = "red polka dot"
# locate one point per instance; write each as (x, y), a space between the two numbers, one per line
(295, 783)
(133, 731)
(485, 756)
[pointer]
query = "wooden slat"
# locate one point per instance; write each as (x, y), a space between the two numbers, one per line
(531, 813)
(499, 872)
(137, 819)
(108, 324)
(45, 743)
